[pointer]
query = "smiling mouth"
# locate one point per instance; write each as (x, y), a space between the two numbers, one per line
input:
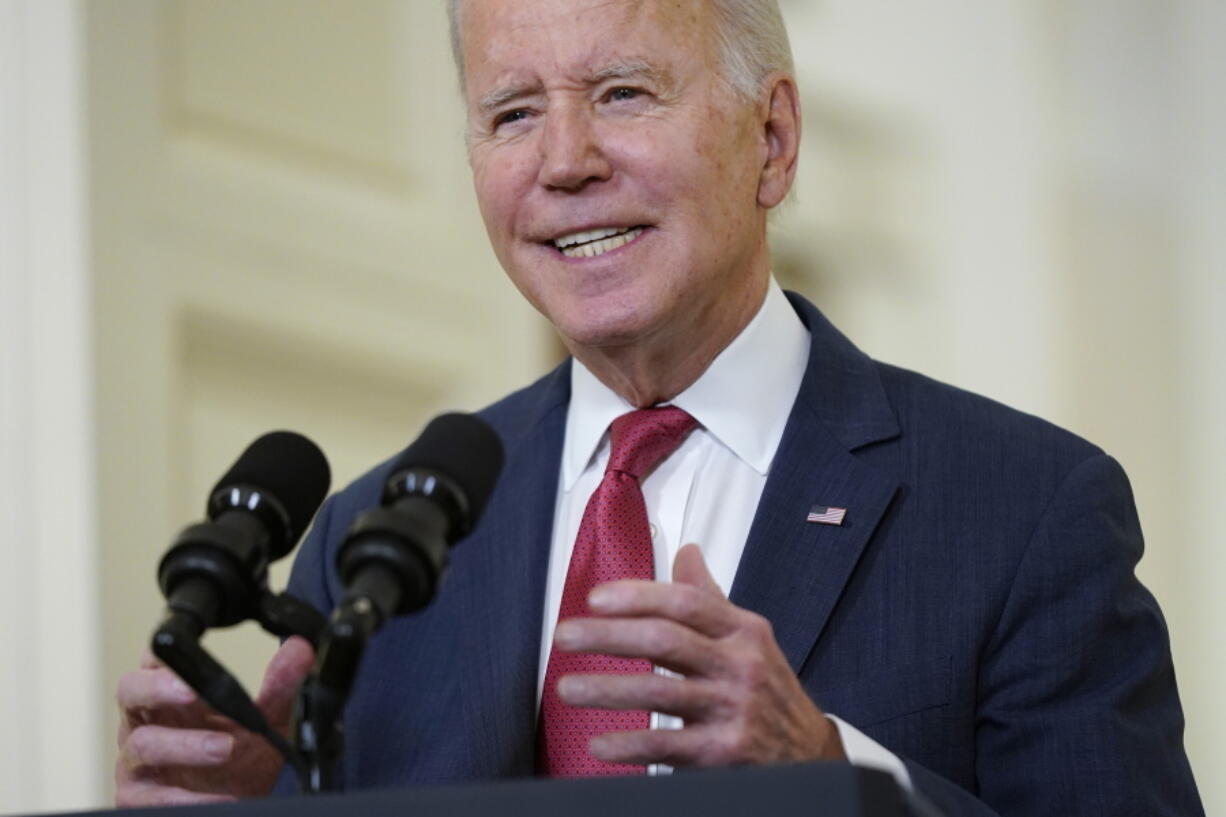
(591, 243)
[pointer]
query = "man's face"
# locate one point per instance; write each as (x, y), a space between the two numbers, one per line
(616, 172)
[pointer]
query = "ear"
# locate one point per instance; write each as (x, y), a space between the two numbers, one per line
(781, 138)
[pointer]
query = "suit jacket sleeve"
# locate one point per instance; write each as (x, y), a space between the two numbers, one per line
(1078, 711)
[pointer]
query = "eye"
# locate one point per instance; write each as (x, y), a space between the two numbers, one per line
(622, 94)
(510, 116)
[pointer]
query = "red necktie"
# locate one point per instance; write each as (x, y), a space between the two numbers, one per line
(614, 543)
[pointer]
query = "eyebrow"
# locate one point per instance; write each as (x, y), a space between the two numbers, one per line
(623, 69)
(628, 69)
(500, 96)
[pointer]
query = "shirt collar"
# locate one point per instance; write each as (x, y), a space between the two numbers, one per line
(743, 399)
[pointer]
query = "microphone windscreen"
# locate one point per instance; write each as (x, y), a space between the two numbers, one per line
(288, 467)
(466, 449)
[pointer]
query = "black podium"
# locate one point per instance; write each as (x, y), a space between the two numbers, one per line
(816, 790)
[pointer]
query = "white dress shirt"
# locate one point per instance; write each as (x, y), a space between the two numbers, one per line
(707, 491)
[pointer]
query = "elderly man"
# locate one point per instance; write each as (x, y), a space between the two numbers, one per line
(884, 570)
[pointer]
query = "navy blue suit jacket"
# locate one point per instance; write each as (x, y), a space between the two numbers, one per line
(976, 613)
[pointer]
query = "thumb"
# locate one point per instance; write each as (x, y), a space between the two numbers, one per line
(285, 672)
(690, 568)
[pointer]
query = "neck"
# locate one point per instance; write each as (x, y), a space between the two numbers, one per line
(658, 368)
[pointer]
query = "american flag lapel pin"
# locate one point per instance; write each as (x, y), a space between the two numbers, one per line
(823, 515)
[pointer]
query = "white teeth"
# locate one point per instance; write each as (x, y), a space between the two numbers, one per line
(583, 238)
(609, 240)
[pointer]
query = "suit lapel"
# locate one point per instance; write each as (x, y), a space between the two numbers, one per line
(506, 590)
(794, 571)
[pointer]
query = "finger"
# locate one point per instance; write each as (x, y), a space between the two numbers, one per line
(285, 672)
(135, 793)
(690, 568)
(661, 641)
(152, 689)
(691, 746)
(708, 613)
(152, 746)
(148, 660)
(691, 700)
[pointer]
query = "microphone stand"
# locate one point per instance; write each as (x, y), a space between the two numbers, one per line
(319, 730)
(176, 642)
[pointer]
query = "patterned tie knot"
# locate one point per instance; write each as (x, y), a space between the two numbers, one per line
(641, 439)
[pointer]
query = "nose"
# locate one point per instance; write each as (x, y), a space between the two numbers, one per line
(572, 156)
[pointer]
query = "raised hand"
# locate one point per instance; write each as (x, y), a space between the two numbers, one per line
(740, 700)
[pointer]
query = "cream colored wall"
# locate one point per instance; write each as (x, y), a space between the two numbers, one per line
(1196, 603)
(1022, 198)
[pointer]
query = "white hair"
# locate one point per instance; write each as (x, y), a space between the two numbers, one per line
(750, 34)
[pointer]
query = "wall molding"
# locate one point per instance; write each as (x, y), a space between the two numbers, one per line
(50, 700)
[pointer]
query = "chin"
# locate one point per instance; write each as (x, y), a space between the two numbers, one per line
(610, 319)
(603, 330)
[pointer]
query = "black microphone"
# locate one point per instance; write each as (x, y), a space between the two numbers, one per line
(216, 572)
(394, 556)
(390, 563)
